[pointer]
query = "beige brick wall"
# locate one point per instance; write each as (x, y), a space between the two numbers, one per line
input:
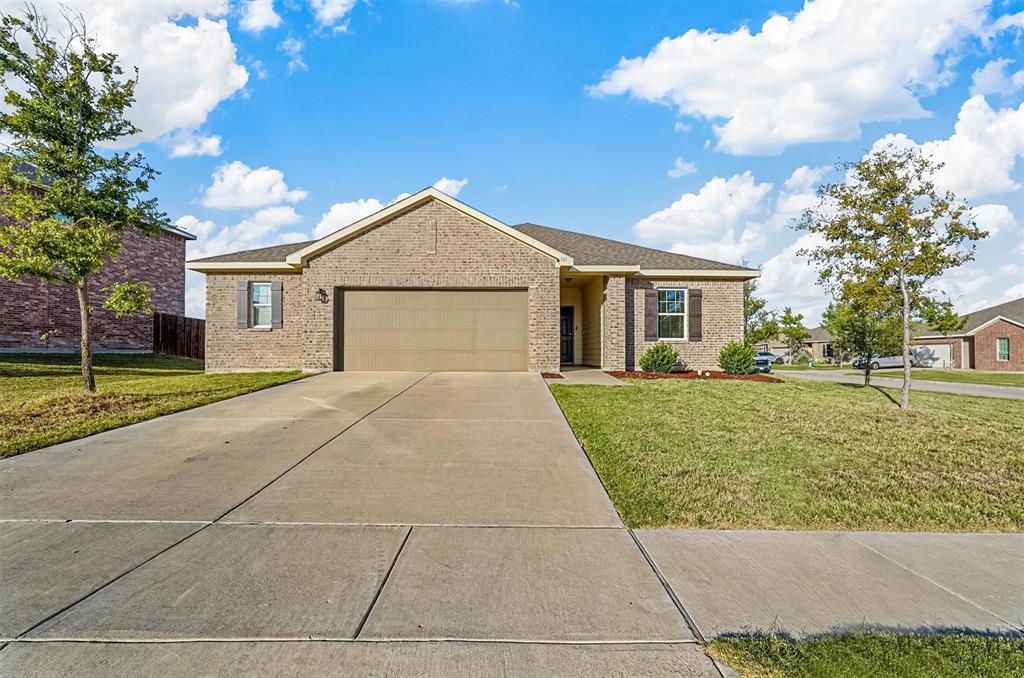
(229, 348)
(613, 324)
(434, 246)
(722, 311)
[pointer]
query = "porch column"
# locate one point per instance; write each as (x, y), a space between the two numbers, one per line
(613, 324)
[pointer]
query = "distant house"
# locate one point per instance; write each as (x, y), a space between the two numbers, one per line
(992, 340)
(819, 345)
(31, 309)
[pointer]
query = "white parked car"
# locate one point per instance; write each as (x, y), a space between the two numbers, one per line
(879, 361)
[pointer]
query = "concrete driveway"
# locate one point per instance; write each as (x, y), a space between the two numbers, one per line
(350, 523)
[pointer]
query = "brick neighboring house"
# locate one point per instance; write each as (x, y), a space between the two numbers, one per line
(30, 308)
(992, 340)
(431, 283)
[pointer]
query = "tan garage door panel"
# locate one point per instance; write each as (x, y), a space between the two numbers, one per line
(435, 330)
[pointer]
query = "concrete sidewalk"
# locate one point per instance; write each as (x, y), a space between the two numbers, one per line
(838, 377)
(806, 583)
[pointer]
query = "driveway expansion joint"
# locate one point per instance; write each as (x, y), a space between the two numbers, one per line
(383, 583)
(668, 589)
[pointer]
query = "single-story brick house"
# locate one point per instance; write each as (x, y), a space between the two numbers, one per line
(429, 283)
(992, 340)
(31, 308)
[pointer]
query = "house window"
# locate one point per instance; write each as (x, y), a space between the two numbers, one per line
(1003, 348)
(260, 309)
(672, 314)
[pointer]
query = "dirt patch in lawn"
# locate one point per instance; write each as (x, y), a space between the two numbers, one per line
(704, 374)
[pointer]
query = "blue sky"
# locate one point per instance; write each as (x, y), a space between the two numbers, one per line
(275, 120)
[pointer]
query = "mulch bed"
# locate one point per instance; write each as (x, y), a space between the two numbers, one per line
(551, 375)
(704, 374)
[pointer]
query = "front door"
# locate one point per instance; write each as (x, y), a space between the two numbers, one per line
(565, 335)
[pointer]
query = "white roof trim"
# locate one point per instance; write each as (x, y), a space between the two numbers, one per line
(744, 274)
(297, 258)
(204, 266)
(604, 269)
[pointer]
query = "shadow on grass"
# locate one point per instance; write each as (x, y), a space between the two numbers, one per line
(921, 631)
(874, 387)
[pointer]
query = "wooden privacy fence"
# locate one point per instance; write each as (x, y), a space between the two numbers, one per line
(178, 335)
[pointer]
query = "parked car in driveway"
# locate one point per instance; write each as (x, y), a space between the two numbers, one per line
(770, 357)
(878, 362)
(762, 364)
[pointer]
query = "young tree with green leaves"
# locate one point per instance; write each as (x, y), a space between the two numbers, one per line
(862, 331)
(66, 205)
(792, 331)
(887, 233)
(759, 324)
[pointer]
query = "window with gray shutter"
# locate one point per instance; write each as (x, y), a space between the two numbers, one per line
(276, 292)
(696, 329)
(242, 304)
(650, 315)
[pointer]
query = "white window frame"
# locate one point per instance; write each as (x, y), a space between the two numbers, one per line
(685, 314)
(1007, 358)
(253, 305)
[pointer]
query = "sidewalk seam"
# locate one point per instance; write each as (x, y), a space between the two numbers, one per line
(383, 583)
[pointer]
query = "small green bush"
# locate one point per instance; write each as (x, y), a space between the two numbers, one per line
(659, 358)
(802, 357)
(736, 358)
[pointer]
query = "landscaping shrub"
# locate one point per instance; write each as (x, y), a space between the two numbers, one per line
(659, 358)
(802, 357)
(736, 358)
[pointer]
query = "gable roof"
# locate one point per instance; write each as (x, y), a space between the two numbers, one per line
(819, 334)
(576, 251)
(1011, 311)
(592, 251)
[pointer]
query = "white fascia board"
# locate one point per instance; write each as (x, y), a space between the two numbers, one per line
(604, 269)
(994, 320)
(221, 266)
(297, 258)
(744, 274)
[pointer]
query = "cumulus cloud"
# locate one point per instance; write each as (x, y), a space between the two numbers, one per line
(788, 279)
(185, 55)
(980, 155)
(451, 187)
(259, 15)
(332, 14)
(680, 168)
(995, 219)
(789, 83)
(710, 223)
(293, 47)
(236, 185)
(189, 144)
(341, 214)
(992, 78)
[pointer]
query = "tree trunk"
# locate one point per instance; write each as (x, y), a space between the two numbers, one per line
(905, 398)
(867, 373)
(88, 377)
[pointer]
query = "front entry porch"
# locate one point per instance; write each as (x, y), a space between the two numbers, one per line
(580, 329)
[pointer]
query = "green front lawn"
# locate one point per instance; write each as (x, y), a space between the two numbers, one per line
(874, 655)
(801, 455)
(41, 399)
(966, 377)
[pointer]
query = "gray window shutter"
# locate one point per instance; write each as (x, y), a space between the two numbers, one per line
(650, 315)
(276, 289)
(242, 305)
(694, 300)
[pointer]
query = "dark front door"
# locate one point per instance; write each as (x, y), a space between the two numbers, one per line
(565, 335)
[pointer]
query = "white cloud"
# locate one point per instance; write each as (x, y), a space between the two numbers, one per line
(293, 48)
(258, 15)
(788, 279)
(995, 219)
(992, 78)
(332, 13)
(184, 52)
(680, 168)
(188, 144)
(341, 214)
(980, 155)
(813, 77)
(711, 223)
(236, 185)
(451, 187)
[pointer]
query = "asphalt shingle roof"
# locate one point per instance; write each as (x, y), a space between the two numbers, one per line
(1014, 310)
(586, 250)
(589, 250)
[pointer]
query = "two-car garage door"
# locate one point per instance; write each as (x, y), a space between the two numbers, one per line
(432, 330)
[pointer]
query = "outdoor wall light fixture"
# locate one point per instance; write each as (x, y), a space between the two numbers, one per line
(321, 295)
